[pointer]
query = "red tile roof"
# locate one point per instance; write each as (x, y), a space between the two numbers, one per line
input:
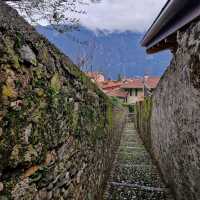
(110, 85)
(117, 93)
(116, 88)
(151, 82)
(133, 83)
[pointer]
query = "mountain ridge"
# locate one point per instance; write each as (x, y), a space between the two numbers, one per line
(110, 53)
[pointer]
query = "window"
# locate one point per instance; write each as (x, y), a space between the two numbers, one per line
(136, 92)
(131, 92)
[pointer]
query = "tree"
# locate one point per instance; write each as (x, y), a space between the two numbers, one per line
(119, 78)
(85, 56)
(63, 15)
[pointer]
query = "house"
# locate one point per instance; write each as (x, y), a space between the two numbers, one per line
(113, 89)
(121, 94)
(110, 85)
(138, 88)
(150, 83)
(129, 90)
(135, 89)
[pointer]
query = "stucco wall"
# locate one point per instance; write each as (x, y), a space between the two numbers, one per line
(58, 131)
(175, 118)
(134, 99)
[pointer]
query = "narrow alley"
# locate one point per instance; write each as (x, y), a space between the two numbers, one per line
(70, 71)
(134, 176)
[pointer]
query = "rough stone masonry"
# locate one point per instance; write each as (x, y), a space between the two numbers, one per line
(57, 129)
(170, 125)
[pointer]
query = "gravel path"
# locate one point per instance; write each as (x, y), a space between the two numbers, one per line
(134, 176)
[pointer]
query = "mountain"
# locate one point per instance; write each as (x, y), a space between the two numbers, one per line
(111, 53)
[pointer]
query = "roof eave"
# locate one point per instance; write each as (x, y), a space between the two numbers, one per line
(181, 13)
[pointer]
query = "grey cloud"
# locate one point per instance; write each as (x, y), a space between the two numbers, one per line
(114, 15)
(122, 15)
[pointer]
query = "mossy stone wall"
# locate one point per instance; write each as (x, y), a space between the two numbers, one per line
(58, 131)
(143, 120)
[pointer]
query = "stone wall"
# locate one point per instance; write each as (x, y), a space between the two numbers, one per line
(175, 118)
(58, 131)
(142, 121)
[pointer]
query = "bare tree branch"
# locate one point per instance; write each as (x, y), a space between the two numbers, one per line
(63, 15)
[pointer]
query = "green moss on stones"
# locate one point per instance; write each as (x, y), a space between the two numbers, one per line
(39, 72)
(34, 62)
(56, 83)
(8, 91)
(143, 119)
(30, 154)
(58, 103)
(147, 106)
(109, 115)
(15, 152)
(8, 186)
(12, 57)
(19, 40)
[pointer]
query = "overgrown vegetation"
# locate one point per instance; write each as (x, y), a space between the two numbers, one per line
(143, 120)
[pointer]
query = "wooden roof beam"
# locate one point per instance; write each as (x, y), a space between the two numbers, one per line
(169, 43)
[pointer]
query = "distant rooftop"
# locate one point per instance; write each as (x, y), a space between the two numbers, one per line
(117, 93)
(151, 82)
(174, 15)
(134, 83)
(138, 83)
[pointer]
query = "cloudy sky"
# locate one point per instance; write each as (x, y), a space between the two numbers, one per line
(122, 15)
(115, 15)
